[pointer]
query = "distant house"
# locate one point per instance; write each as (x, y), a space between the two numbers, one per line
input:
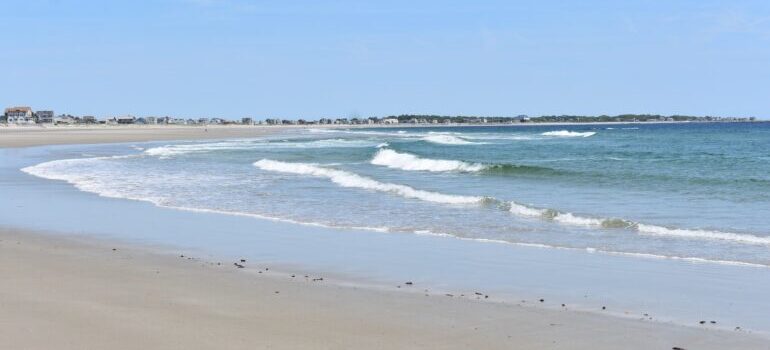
(19, 115)
(125, 120)
(44, 117)
(247, 121)
(521, 118)
(390, 121)
(151, 120)
(64, 119)
(88, 119)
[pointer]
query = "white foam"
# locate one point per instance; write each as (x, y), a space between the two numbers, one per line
(411, 162)
(351, 180)
(702, 234)
(523, 210)
(447, 140)
(567, 133)
(180, 149)
(86, 174)
(571, 219)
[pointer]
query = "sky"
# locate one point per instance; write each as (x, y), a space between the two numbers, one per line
(312, 59)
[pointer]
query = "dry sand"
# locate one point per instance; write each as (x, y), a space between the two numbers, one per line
(72, 293)
(58, 135)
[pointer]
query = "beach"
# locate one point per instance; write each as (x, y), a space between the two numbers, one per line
(37, 135)
(26, 136)
(93, 269)
(66, 293)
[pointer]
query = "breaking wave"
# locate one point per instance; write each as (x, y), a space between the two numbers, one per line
(89, 174)
(348, 179)
(180, 149)
(410, 162)
(448, 140)
(642, 229)
(702, 234)
(405, 161)
(567, 133)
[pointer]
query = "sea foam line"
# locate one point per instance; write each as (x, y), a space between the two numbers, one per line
(348, 179)
(351, 180)
(448, 140)
(406, 161)
(567, 133)
(642, 229)
(88, 182)
(181, 149)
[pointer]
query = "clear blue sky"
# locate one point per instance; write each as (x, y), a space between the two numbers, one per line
(235, 58)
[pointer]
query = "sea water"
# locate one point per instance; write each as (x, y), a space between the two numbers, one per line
(691, 191)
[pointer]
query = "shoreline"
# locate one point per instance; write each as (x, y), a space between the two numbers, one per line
(128, 294)
(505, 315)
(18, 136)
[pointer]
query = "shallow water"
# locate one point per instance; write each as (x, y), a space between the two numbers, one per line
(630, 285)
(691, 191)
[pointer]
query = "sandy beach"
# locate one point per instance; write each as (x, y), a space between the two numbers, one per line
(67, 293)
(27, 136)
(60, 135)
(70, 292)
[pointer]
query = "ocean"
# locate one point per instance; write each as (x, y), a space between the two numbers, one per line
(688, 191)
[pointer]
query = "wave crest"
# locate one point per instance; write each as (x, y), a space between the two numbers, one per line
(348, 179)
(406, 161)
(181, 149)
(701, 234)
(448, 140)
(567, 133)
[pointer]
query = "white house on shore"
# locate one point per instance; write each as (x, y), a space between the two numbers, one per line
(390, 121)
(19, 115)
(64, 119)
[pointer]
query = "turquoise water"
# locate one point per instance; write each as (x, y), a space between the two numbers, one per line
(682, 191)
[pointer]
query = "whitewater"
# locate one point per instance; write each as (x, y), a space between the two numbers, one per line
(640, 191)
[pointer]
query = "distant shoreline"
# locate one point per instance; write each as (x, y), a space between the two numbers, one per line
(13, 136)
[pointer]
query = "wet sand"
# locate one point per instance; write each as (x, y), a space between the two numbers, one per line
(71, 293)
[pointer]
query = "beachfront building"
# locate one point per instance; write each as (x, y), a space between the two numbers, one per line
(247, 121)
(19, 115)
(65, 119)
(44, 117)
(151, 120)
(126, 119)
(175, 121)
(390, 121)
(121, 120)
(88, 119)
